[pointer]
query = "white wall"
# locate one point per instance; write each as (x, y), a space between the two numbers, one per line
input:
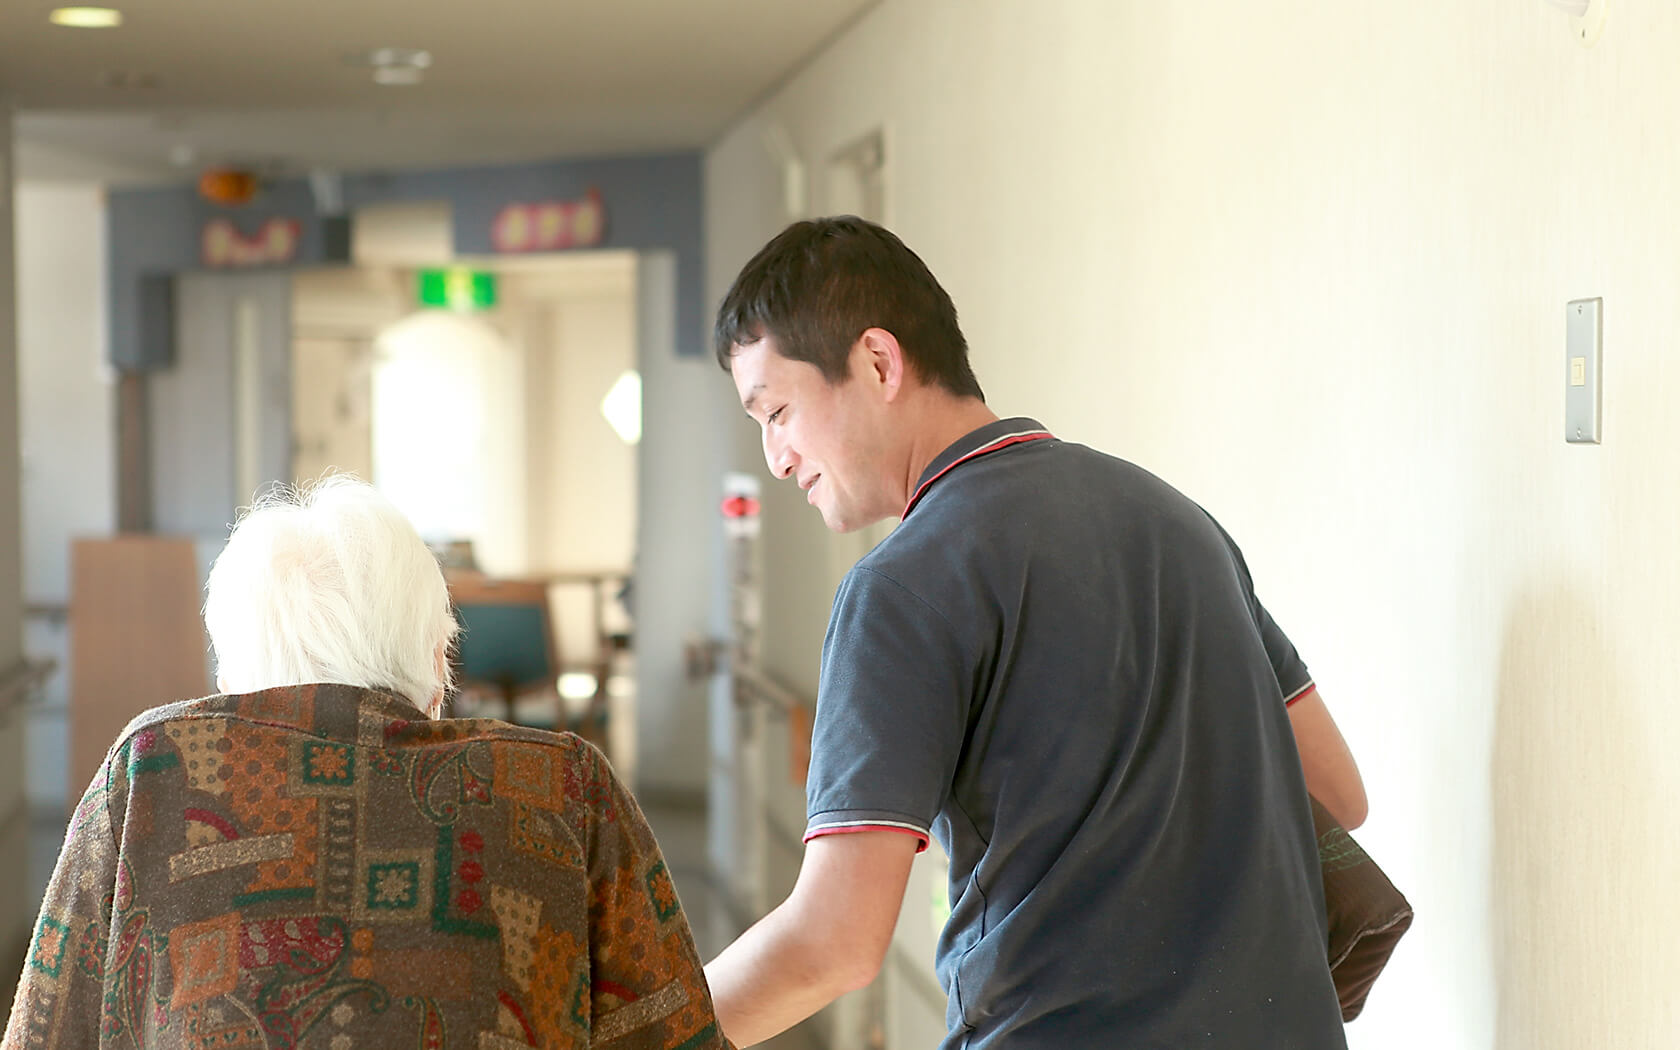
(678, 539)
(66, 430)
(220, 415)
(1309, 261)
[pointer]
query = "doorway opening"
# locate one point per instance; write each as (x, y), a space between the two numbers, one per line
(506, 431)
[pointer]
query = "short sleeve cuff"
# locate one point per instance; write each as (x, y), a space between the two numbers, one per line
(846, 823)
(1289, 700)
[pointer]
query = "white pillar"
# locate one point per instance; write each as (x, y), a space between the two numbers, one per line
(17, 909)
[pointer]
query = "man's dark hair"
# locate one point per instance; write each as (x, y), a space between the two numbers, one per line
(820, 283)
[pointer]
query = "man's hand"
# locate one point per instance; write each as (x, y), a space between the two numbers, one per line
(826, 939)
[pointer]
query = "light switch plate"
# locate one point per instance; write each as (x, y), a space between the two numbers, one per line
(1583, 398)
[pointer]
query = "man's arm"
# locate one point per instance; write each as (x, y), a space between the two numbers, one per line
(826, 939)
(1332, 776)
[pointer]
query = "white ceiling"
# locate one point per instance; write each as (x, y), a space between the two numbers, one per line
(267, 82)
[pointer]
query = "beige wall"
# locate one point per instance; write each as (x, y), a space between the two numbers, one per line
(1309, 261)
(590, 492)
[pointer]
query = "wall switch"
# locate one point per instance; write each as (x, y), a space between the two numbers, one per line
(1583, 398)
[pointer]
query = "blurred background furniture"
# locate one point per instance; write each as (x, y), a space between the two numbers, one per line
(506, 645)
(136, 639)
(508, 652)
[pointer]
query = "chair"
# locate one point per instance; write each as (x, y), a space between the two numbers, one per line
(506, 644)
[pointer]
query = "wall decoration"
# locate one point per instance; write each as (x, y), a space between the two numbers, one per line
(274, 244)
(551, 226)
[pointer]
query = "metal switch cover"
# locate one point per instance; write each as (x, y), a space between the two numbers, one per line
(1583, 396)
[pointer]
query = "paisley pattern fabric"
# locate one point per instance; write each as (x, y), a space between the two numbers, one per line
(323, 867)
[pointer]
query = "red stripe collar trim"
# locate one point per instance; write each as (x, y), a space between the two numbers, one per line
(1005, 441)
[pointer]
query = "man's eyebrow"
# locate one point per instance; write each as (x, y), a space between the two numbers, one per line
(752, 397)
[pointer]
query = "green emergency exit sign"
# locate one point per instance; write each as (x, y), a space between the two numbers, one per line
(458, 288)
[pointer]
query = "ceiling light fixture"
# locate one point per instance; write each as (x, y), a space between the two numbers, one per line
(126, 81)
(398, 76)
(86, 17)
(394, 66)
(400, 56)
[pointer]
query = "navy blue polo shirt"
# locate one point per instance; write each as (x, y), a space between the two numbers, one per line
(1056, 665)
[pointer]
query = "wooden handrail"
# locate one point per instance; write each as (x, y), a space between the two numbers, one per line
(756, 682)
(54, 612)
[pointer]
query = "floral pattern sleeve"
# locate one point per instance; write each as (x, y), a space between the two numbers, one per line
(647, 986)
(62, 997)
(316, 868)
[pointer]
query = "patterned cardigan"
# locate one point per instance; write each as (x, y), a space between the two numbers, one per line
(321, 866)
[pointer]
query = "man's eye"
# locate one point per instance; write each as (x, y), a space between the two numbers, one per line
(772, 417)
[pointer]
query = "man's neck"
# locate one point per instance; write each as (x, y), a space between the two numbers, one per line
(946, 420)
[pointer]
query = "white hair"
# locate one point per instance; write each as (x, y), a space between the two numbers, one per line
(329, 583)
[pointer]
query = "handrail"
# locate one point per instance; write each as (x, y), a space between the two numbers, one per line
(751, 680)
(23, 676)
(53, 612)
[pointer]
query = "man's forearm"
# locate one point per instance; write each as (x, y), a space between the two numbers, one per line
(776, 975)
(1331, 774)
(826, 939)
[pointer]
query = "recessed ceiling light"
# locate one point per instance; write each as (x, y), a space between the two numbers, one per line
(124, 81)
(394, 76)
(86, 17)
(392, 58)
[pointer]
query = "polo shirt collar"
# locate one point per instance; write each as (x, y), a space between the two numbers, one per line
(988, 439)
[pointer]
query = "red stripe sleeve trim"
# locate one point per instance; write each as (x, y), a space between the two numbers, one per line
(847, 829)
(1299, 693)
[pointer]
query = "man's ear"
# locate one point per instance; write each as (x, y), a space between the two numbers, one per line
(884, 359)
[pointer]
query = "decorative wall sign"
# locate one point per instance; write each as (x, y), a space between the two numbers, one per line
(275, 243)
(551, 226)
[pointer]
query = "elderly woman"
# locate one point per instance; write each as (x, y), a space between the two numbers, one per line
(311, 860)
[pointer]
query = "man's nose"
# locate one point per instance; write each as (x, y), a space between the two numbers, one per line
(777, 456)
